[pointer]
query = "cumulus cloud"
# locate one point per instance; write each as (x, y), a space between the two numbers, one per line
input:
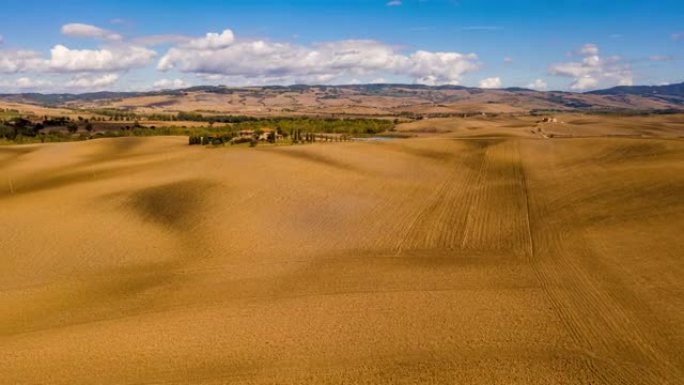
(394, 3)
(538, 84)
(259, 59)
(90, 83)
(26, 83)
(494, 82)
(434, 68)
(116, 55)
(170, 84)
(63, 59)
(593, 70)
(222, 55)
(584, 83)
(60, 83)
(89, 31)
(19, 61)
(210, 77)
(508, 60)
(212, 41)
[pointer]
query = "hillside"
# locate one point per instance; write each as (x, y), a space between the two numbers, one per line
(369, 99)
(483, 253)
(671, 93)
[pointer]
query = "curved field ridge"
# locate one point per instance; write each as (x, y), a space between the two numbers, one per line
(503, 258)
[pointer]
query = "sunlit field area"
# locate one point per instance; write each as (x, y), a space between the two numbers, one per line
(484, 254)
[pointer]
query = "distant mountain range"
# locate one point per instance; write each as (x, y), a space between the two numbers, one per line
(672, 92)
(365, 99)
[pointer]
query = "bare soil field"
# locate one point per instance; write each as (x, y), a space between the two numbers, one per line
(39, 111)
(478, 252)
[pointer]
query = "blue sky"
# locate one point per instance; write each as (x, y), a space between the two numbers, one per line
(579, 45)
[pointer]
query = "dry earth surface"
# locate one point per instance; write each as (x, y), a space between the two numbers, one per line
(479, 252)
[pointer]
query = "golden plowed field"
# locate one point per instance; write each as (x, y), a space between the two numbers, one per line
(500, 259)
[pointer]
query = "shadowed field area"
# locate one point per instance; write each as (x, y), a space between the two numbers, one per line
(485, 254)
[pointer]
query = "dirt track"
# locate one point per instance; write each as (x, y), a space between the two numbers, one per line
(506, 260)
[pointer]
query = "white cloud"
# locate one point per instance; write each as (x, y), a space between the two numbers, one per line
(589, 50)
(491, 83)
(222, 56)
(508, 60)
(63, 59)
(438, 67)
(26, 83)
(89, 31)
(584, 82)
(170, 84)
(538, 84)
(626, 82)
(260, 59)
(19, 61)
(60, 83)
(394, 3)
(593, 70)
(212, 41)
(210, 77)
(91, 83)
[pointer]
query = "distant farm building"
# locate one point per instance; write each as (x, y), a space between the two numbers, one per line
(246, 133)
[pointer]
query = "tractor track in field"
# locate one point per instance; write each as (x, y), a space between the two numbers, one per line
(489, 260)
(616, 348)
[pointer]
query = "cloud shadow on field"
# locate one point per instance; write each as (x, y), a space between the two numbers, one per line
(174, 205)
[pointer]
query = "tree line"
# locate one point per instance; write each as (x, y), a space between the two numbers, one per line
(20, 129)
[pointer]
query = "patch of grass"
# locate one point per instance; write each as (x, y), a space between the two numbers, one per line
(7, 115)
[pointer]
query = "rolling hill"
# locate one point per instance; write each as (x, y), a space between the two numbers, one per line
(366, 99)
(482, 254)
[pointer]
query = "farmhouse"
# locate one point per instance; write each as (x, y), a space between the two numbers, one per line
(268, 133)
(246, 133)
